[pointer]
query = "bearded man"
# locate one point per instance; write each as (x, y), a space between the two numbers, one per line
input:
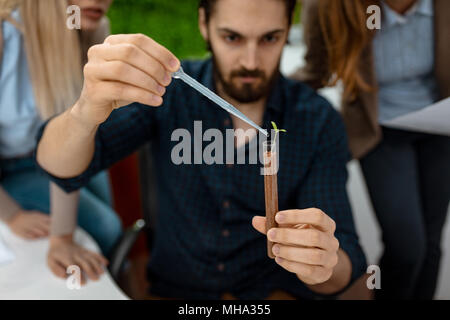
(210, 237)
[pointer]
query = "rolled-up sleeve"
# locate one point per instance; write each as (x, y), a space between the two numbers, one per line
(124, 132)
(325, 188)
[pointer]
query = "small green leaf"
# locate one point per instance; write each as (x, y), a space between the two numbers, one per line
(277, 131)
(274, 126)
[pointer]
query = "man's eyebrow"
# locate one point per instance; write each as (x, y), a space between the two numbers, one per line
(274, 32)
(227, 30)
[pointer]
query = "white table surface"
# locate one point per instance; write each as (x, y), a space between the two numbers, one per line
(29, 278)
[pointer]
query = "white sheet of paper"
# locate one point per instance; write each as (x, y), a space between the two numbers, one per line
(434, 119)
(6, 255)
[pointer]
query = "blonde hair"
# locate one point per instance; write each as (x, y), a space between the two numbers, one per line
(6, 6)
(343, 24)
(53, 55)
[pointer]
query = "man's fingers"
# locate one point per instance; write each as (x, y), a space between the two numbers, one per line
(259, 223)
(150, 46)
(300, 237)
(125, 69)
(124, 92)
(136, 57)
(125, 73)
(310, 256)
(312, 216)
(308, 273)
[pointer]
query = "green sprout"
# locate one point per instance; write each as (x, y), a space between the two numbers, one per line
(274, 125)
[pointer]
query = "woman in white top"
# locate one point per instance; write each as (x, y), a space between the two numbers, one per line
(41, 61)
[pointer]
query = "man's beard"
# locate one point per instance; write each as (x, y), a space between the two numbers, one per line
(247, 93)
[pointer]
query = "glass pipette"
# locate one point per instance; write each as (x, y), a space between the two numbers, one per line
(215, 98)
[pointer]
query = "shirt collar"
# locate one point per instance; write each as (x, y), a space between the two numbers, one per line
(426, 8)
(391, 18)
(274, 101)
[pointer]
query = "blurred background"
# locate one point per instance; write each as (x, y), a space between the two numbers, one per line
(171, 23)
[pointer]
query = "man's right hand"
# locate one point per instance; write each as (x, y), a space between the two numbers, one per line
(122, 70)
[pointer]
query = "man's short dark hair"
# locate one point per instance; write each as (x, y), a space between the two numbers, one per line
(208, 6)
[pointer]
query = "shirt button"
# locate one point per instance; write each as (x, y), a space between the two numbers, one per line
(226, 204)
(226, 122)
(225, 233)
(221, 267)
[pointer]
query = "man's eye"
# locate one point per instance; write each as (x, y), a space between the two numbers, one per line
(270, 39)
(231, 38)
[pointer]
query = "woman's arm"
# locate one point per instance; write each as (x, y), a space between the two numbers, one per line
(63, 251)
(63, 211)
(8, 206)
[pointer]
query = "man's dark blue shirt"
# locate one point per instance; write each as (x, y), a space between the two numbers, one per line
(205, 244)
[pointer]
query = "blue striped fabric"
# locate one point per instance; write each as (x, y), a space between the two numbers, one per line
(205, 244)
(404, 61)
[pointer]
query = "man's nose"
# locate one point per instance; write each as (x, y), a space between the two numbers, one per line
(249, 58)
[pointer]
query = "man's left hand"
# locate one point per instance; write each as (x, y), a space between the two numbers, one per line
(304, 243)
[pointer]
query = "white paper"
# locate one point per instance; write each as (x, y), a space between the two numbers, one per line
(434, 119)
(6, 255)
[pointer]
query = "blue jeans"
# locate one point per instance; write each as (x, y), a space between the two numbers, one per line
(30, 188)
(408, 178)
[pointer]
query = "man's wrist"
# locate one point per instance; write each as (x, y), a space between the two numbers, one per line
(76, 117)
(339, 279)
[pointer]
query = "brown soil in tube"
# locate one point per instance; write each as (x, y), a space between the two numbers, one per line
(271, 195)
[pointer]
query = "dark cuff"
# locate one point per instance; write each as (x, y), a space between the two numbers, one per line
(357, 259)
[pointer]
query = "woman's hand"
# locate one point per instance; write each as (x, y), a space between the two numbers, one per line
(63, 252)
(30, 224)
(304, 243)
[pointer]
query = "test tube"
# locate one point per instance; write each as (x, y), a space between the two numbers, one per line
(270, 188)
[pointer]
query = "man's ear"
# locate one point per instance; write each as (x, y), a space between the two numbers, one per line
(202, 25)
